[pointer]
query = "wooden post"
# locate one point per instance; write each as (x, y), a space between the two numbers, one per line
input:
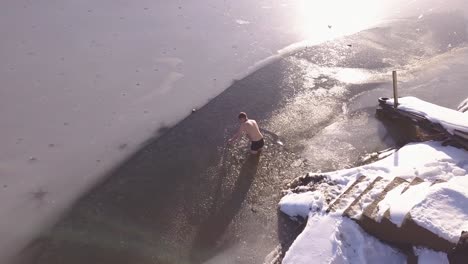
(395, 90)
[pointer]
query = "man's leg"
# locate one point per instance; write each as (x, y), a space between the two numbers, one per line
(253, 149)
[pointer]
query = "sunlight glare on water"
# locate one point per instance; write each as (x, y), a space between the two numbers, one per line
(323, 20)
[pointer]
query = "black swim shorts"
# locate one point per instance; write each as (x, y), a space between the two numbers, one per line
(256, 145)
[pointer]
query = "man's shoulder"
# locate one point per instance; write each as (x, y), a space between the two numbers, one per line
(250, 123)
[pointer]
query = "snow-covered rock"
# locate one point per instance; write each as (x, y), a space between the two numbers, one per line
(333, 239)
(431, 194)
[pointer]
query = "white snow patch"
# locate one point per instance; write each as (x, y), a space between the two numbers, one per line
(450, 119)
(444, 210)
(389, 199)
(459, 172)
(242, 22)
(332, 239)
(440, 208)
(428, 160)
(427, 256)
(403, 204)
(300, 204)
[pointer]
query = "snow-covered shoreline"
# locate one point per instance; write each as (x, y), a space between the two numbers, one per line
(433, 196)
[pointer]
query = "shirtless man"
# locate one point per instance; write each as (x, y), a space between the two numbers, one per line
(250, 127)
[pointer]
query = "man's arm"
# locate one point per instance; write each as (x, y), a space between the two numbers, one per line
(236, 135)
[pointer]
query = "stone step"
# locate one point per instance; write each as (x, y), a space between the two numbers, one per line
(372, 209)
(411, 195)
(414, 181)
(356, 208)
(343, 201)
(376, 219)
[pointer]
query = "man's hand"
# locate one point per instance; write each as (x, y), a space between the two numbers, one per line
(235, 136)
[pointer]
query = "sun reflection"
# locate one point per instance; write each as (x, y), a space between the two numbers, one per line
(322, 20)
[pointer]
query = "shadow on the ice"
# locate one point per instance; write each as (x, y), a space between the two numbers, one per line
(212, 229)
(288, 230)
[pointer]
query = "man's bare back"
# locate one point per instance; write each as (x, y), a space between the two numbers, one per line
(250, 127)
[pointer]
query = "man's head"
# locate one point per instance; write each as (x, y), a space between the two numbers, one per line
(242, 117)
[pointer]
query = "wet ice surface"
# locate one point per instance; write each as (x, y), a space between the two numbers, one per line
(330, 119)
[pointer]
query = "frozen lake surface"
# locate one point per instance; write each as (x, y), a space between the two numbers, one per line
(84, 85)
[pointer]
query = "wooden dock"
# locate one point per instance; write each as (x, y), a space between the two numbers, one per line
(429, 130)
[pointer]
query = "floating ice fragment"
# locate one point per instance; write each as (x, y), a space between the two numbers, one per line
(297, 163)
(242, 22)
